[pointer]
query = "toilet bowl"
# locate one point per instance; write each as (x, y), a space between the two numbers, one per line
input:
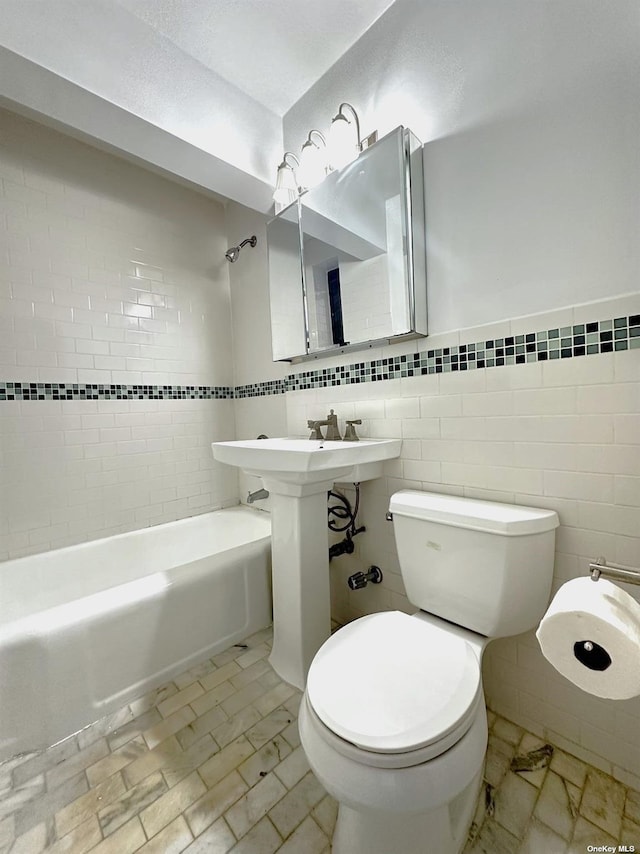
(393, 718)
(393, 723)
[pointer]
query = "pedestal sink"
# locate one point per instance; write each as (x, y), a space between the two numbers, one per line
(298, 473)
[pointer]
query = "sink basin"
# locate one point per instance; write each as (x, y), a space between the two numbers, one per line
(308, 461)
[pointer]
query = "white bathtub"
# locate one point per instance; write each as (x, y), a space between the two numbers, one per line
(86, 629)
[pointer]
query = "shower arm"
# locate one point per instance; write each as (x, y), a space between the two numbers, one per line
(232, 254)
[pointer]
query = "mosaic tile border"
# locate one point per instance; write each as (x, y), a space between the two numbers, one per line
(583, 339)
(566, 342)
(84, 391)
(262, 389)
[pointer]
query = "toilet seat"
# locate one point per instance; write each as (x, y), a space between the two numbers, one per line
(394, 691)
(391, 761)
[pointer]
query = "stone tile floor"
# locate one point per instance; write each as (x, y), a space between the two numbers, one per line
(211, 762)
(561, 806)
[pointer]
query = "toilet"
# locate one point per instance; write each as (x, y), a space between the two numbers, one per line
(393, 718)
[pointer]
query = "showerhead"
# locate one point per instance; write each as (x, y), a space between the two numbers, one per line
(232, 254)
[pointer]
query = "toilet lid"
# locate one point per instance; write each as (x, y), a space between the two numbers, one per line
(390, 683)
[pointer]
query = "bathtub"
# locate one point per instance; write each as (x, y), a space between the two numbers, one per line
(88, 628)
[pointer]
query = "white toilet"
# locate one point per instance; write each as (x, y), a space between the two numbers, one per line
(393, 718)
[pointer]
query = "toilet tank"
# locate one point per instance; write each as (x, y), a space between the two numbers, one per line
(479, 564)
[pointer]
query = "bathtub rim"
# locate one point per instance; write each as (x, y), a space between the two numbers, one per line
(16, 574)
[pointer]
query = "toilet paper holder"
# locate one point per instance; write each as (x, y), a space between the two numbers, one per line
(615, 571)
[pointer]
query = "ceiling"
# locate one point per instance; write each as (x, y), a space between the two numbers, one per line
(197, 89)
(272, 50)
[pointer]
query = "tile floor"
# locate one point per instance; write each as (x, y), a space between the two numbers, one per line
(212, 762)
(561, 806)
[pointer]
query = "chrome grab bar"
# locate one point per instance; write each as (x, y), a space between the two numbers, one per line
(615, 571)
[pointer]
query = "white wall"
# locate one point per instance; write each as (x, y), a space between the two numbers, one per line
(108, 275)
(249, 293)
(531, 117)
(252, 360)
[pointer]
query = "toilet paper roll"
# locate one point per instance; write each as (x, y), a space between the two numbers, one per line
(591, 635)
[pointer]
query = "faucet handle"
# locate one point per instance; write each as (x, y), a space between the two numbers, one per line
(350, 434)
(316, 432)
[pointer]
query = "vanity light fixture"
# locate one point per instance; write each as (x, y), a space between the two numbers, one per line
(321, 156)
(313, 161)
(344, 138)
(286, 190)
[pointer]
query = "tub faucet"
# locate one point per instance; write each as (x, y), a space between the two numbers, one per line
(331, 423)
(258, 495)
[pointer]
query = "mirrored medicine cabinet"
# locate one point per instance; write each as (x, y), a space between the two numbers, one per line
(347, 259)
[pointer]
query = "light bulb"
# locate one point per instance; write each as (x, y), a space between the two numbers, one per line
(286, 190)
(313, 161)
(343, 142)
(344, 137)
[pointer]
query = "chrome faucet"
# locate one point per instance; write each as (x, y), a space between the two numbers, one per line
(258, 495)
(333, 432)
(331, 423)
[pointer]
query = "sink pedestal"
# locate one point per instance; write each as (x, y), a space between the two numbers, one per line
(298, 474)
(301, 594)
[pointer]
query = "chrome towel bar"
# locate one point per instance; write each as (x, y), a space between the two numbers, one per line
(614, 571)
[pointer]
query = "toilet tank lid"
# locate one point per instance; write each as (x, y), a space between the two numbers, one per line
(507, 520)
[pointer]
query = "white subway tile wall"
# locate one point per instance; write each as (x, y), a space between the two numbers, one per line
(73, 471)
(563, 435)
(109, 275)
(366, 309)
